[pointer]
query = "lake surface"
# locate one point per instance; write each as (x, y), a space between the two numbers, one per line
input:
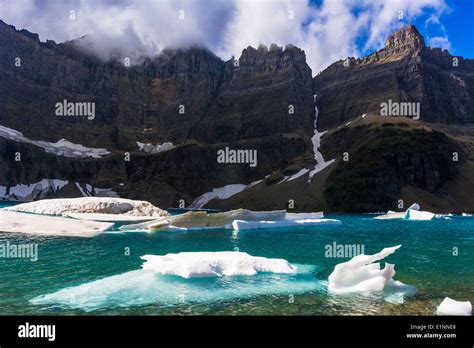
(436, 257)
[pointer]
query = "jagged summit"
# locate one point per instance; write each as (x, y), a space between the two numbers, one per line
(406, 36)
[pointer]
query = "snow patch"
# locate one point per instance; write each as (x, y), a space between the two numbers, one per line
(155, 148)
(318, 156)
(29, 192)
(60, 148)
(223, 192)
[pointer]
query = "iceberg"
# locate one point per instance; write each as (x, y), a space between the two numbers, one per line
(239, 225)
(147, 286)
(412, 213)
(453, 307)
(109, 217)
(103, 205)
(214, 264)
(239, 219)
(16, 222)
(360, 274)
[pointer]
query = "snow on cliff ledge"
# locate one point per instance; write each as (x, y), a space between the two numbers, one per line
(60, 148)
(104, 205)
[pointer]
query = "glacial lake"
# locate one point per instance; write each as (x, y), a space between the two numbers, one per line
(102, 275)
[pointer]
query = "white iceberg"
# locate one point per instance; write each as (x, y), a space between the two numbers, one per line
(104, 205)
(412, 213)
(453, 307)
(239, 225)
(239, 219)
(214, 264)
(146, 286)
(15, 222)
(360, 274)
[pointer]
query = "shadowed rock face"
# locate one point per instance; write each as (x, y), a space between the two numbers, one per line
(241, 107)
(405, 70)
(261, 101)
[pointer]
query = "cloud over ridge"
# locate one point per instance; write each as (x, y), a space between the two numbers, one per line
(327, 30)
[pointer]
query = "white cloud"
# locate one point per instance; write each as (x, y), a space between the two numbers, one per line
(440, 41)
(327, 32)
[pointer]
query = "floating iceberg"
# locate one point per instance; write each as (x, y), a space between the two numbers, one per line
(452, 307)
(239, 225)
(412, 213)
(239, 219)
(16, 222)
(148, 286)
(360, 274)
(214, 264)
(103, 205)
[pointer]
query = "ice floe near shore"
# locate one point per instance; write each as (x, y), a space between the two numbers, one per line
(453, 307)
(15, 222)
(239, 219)
(103, 205)
(214, 264)
(239, 225)
(362, 275)
(60, 148)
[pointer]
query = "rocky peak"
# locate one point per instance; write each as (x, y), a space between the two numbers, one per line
(407, 36)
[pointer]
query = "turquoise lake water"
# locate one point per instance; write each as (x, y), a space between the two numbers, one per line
(426, 260)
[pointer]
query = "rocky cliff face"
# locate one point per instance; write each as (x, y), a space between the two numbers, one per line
(405, 70)
(261, 101)
(189, 97)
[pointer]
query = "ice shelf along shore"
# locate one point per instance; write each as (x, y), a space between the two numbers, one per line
(240, 219)
(15, 222)
(97, 205)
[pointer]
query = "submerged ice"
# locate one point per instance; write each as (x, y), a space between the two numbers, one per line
(259, 276)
